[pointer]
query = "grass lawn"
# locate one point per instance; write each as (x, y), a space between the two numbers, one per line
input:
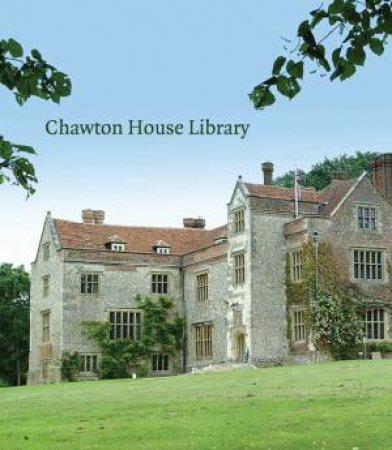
(341, 405)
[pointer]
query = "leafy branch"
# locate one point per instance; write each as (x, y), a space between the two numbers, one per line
(362, 26)
(26, 77)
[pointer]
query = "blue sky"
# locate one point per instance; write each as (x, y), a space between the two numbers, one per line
(170, 62)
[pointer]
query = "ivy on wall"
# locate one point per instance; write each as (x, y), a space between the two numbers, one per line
(333, 306)
(162, 332)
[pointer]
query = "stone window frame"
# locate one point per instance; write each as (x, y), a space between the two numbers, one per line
(118, 326)
(203, 335)
(374, 325)
(156, 285)
(299, 329)
(46, 247)
(239, 268)
(92, 286)
(378, 216)
(88, 361)
(45, 285)
(296, 265)
(45, 335)
(354, 270)
(202, 290)
(238, 216)
(160, 362)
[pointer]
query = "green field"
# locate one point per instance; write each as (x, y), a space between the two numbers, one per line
(341, 405)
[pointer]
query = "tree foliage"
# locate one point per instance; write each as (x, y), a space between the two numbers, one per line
(14, 323)
(26, 76)
(321, 174)
(361, 27)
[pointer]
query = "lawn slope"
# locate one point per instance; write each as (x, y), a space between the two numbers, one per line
(342, 405)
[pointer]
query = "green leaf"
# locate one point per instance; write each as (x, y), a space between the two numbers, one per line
(5, 150)
(356, 55)
(278, 64)
(261, 97)
(348, 70)
(36, 54)
(25, 148)
(377, 46)
(296, 70)
(336, 7)
(15, 48)
(336, 56)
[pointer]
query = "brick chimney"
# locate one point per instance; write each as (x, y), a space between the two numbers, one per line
(382, 175)
(190, 222)
(268, 170)
(95, 216)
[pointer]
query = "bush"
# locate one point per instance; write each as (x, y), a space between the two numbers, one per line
(69, 366)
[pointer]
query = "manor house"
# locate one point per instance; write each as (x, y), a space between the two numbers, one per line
(228, 282)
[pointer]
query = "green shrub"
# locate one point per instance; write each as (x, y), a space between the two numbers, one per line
(70, 366)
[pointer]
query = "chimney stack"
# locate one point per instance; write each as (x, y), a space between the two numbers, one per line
(95, 216)
(268, 170)
(382, 175)
(190, 222)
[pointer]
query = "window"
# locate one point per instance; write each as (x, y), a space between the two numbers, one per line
(46, 250)
(375, 323)
(46, 326)
(296, 265)
(203, 340)
(45, 285)
(159, 284)
(89, 283)
(88, 363)
(202, 287)
(117, 247)
(368, 265)
(299, 328)
(162, 250)
(160, 362)
(125, 324)
(239, 268)
(366, 218)
(239, 220)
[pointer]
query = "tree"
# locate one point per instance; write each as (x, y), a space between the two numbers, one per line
(14, 323)
(321, 173)
(25, 77)
(361, 25)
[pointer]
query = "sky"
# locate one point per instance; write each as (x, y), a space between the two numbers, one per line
(169, 62)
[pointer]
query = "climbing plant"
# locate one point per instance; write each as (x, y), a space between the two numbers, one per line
(162, 332)
(69, 366)
(333, 305)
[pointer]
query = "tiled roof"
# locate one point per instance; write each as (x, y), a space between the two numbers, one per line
(328, 197)
(74, 235)
(334, 193)
(271, 191)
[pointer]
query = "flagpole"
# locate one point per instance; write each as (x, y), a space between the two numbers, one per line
(296, 192)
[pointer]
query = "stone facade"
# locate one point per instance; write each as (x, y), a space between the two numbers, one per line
(229, 283)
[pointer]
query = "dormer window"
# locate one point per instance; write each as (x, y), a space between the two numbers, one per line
(220, 239)
(117, 247)
(115, 244)
(161, 248)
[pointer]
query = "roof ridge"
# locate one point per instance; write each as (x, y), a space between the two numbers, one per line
(143, 226)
